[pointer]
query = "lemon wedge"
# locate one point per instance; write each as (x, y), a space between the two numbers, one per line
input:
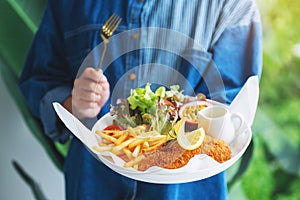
(179, 125)
(190, 140)
(174, 132)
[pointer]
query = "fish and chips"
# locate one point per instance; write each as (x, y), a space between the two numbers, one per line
(149, 129)
(143, 149)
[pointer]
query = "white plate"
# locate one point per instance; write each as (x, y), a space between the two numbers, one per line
(199, 167)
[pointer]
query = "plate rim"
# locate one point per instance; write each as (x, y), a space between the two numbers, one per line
(174, 178)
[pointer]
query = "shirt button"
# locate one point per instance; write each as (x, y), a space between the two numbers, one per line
(132, 76)
(135, 36)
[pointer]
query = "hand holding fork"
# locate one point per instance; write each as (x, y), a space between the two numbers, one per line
(91, 89)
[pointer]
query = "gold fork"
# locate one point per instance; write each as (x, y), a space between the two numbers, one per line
(107, 30)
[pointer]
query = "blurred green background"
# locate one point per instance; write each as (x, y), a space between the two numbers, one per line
(274, 170)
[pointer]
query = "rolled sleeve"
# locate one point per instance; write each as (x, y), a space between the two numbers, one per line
(53, 126)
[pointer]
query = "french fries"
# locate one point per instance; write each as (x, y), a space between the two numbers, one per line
(134, 162)
(132, 143)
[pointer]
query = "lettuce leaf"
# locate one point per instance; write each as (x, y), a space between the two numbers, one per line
(144, 106)
(143, 99)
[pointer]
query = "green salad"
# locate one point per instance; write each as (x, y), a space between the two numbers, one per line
(157, 109)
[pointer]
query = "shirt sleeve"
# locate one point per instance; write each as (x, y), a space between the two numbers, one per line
(46, 74)
(237, 45)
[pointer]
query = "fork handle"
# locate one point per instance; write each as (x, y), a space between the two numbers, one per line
(102, 56)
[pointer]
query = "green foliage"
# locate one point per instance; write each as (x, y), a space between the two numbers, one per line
(293, 192)
(258, 181)
(281, 30)
(280, 84)
(274, 171)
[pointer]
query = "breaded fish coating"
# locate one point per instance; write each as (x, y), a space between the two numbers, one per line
(172, 156)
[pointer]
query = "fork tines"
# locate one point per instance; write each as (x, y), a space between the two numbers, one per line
(110, 25)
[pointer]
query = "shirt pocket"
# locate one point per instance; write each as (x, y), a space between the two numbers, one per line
(81, 41)
(78, 43)
(204, 74)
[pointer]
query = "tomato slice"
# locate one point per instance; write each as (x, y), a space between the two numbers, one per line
(114, 127)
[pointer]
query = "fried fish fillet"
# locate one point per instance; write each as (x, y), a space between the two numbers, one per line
(172, 156)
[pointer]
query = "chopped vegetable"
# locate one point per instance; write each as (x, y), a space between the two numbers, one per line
(114, 127)
(158, 109)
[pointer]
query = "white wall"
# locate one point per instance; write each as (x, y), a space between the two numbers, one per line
(17, 143)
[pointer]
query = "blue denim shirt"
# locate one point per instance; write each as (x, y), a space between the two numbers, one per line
(197, 44)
